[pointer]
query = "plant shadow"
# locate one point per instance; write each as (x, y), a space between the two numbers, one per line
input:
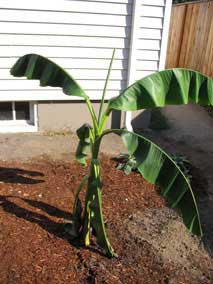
(15, 175)
(205, 206)
(49, 225)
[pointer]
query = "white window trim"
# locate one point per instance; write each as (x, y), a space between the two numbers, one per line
(15, 126)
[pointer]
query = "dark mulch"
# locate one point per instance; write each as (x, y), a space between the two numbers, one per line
(35, 200)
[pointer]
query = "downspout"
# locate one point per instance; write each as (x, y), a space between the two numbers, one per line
(133, 48)
(131, 72)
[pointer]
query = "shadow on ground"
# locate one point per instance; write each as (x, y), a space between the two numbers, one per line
(15, 175)
(49, 225)
(43, 221)
(206, 213)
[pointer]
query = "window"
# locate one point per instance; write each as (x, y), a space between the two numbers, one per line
(22, 111)
(6, 111)
(18, 116)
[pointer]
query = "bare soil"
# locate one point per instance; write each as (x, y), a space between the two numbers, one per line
(152, 244)
(191, 134)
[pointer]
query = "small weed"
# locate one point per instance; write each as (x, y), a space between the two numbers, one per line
(184, 164)
(126, 163)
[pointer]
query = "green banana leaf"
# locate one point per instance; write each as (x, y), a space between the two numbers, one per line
(158, 168)
(168, 87)
(83, 134)
(34, 66)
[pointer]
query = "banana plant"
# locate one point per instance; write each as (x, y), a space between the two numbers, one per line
(168, 87)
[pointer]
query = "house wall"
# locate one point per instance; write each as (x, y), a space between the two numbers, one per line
(150, 29)
(57, 116)
(80, 36)
(149, 36)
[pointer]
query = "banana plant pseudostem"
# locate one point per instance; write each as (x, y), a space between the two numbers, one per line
(168, 87)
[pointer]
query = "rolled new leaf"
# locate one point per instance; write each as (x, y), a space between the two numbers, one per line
(158, 168)
(84, 143)
(34, 66)
(169, 87)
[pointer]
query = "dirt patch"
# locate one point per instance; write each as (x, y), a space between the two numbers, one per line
(36, 199)
(164, 231)
(61, 145)
(191, 134)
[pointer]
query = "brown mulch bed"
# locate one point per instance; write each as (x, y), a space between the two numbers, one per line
(35, 201)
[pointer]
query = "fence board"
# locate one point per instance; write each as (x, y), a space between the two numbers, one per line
(191, 37)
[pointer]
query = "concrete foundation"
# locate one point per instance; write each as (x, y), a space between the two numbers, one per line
(69, 116)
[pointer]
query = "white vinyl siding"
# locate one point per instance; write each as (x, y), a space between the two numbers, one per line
(151, 25)
(79, 36)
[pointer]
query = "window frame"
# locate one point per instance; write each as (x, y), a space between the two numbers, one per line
(18, 125)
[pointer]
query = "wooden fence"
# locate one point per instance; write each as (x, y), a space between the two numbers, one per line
(191, 37)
